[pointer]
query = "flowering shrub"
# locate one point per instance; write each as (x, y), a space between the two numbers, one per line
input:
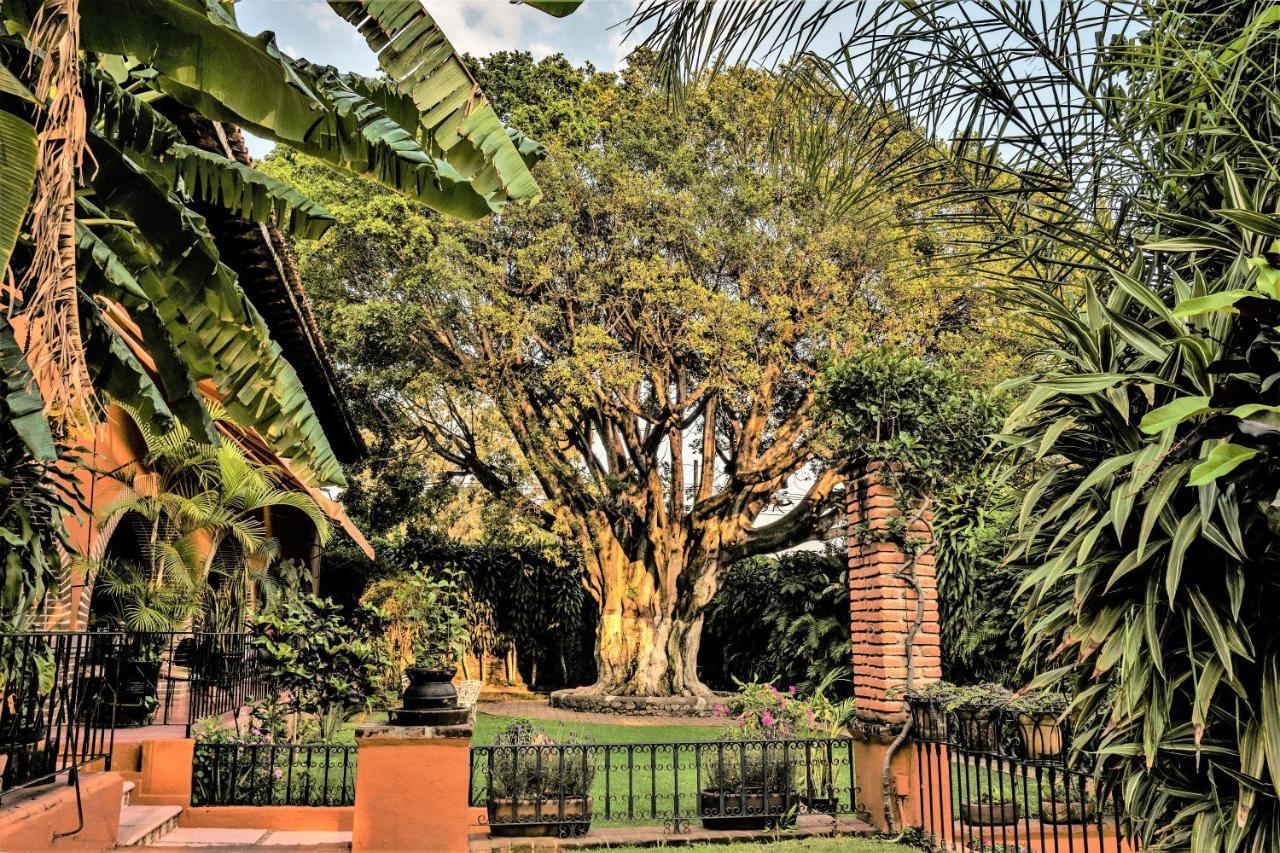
(763, 712)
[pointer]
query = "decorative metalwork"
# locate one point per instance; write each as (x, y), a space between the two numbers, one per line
(1000, 779)
(564, 789)
(65, 692)
(272, 774)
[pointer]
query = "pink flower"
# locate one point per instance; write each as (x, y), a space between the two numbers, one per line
(768, 718)
(277, 773)
(792, 690)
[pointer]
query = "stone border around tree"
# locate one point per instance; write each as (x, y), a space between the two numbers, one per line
(634, 706)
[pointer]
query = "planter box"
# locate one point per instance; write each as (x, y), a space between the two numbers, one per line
(762, 810)
(989, 814)
(510, 818)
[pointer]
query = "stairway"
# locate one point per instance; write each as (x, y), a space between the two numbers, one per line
(141, 826)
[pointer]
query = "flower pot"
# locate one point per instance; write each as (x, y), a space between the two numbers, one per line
(1056, 812)
(429, 689)
(1041, 734)
(989, 814)
(524, 817)
(929, 722)
(979, 730)
(132, 684)
(762, 810)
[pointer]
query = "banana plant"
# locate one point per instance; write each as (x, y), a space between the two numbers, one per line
(144, 67)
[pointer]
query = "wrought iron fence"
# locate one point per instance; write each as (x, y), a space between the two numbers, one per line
(272, 774)
(564, 789)
(51, 718)
(62, 694)
(1004, 780)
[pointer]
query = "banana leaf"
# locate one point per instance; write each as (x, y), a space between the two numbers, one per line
(453, 111)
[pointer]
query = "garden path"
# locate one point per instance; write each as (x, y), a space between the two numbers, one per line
(540, 709)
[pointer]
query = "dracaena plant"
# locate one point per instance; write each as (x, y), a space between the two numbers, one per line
(1122, 155)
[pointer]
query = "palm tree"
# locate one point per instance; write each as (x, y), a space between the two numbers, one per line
(199, 498)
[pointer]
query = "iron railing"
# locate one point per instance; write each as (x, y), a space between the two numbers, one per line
(273, 774)
(563, 789)
(52, 719)
(62, 694)
(1004, 780)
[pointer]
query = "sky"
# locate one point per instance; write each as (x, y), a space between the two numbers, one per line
(310, 29)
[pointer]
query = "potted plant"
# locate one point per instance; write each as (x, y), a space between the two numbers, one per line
(830, 720)
(428, 632)
(977, 708)
(534, 790)
(1040, 722)
(928, 708)
(1068, 804)
(149, 604)
(747, 785)
(989, 811)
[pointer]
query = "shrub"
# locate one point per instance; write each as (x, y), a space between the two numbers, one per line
(532, 768)
(328, 666)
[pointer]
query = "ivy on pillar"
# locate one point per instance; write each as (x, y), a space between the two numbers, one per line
(893, 604)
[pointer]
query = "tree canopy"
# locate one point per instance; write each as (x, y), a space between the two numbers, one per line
(632, 361)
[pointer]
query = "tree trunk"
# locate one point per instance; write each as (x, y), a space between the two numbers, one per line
(648, 638)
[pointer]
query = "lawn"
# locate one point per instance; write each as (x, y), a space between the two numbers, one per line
(791, 845)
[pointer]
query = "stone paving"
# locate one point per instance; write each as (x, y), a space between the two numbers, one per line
(211, 838)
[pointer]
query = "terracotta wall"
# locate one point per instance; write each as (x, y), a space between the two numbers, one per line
(31, 820)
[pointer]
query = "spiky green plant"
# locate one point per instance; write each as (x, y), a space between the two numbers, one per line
(1123, 156)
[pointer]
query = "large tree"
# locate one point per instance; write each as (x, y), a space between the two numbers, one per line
(646, 340)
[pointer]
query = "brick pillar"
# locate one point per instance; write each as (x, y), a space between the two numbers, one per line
(882, 609)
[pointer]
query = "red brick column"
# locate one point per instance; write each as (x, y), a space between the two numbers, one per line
(883, 609)
(882, 606)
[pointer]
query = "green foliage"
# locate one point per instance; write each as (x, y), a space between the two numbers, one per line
(154, 75)
(201, 509)
(531, 597)
(671, 284)
(425, 616)
(330, 667)
(978, 611)
(783, 619)
(926, 421)
(531, 772)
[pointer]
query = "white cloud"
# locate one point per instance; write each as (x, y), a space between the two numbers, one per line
(320, 15)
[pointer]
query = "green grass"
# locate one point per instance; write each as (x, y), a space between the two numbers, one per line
(791, 845)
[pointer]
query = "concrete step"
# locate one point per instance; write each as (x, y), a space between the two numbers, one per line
(125, 796)
(237, 839)
(143, 825)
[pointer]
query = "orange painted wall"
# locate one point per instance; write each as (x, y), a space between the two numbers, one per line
(29, 821)
(412, 795)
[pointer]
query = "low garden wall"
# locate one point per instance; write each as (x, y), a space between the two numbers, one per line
(634, 706)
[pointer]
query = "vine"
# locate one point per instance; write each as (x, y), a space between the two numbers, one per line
(916, 427)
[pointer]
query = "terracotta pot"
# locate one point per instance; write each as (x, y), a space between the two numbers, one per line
(1041, 734)
(429, 689)
(762, 810)
(1062, 813)
(989, 814)
(521, 817)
